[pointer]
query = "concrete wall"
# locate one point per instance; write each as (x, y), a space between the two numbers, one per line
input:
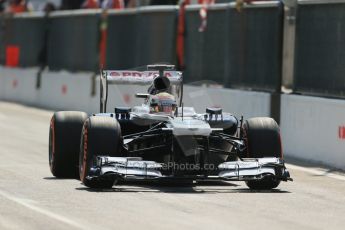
(314, 129)
(239, 102)
(67, 91)
(19, 85)
(58, 90)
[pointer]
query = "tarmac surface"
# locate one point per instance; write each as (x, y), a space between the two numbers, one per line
(31, 198)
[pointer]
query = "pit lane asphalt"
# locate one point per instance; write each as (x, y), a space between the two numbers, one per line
(30, 198)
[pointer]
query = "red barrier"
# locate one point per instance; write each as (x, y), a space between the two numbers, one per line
(12, 56)
(181, 33)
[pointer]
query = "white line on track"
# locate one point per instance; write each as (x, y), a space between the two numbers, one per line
(318, 172)
(47, 213)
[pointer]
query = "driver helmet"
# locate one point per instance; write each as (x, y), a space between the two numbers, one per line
(163, 103)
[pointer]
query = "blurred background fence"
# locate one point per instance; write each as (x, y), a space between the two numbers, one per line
(73, 41)
(320, 53)
(239, 47)
(140, 37)
(23, 39)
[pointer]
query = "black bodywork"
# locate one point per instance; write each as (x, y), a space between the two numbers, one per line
(151, 140)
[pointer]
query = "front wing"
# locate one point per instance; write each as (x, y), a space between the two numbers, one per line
(128, 168)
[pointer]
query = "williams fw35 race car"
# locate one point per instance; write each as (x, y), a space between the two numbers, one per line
(162, 139)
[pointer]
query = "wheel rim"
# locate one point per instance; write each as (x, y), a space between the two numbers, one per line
(83, 155)
(51, 145)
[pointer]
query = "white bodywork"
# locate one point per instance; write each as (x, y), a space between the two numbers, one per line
(189, 124)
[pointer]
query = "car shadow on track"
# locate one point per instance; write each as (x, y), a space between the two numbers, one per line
(55, 178)
(206, 187)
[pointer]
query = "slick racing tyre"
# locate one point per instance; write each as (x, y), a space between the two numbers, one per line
(100, 136)
(262, 136)
(64, 143)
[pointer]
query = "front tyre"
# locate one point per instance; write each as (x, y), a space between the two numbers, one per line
(262, 136)
(100, 136)
(64, 143)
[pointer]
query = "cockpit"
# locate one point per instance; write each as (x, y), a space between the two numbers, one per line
(163, 103)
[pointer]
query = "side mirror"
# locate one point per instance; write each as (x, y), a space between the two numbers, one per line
(142, 95)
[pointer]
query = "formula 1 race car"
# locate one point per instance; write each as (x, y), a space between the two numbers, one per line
(163, 140)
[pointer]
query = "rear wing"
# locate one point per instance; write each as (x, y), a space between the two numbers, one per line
(137, 78)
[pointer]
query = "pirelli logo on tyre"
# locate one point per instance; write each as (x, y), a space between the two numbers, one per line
(341, 132)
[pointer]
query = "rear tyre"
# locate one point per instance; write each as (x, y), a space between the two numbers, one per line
(262, 135)
(100, 136)
(64, 143)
